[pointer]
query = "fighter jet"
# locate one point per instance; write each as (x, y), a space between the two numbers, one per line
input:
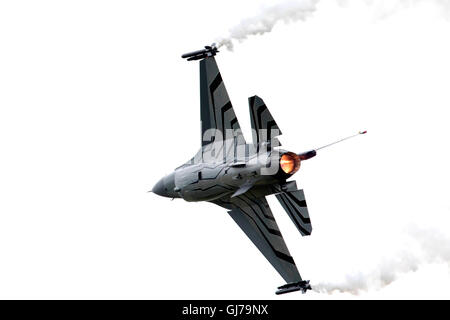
(236, 175)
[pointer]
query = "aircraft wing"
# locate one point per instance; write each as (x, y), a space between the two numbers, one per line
(216, 110)
(221, 132)
(254, 217)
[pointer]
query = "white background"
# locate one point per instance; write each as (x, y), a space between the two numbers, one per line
(96, 105)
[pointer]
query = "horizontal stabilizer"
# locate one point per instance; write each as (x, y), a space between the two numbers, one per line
(264, 127)
(295, 205)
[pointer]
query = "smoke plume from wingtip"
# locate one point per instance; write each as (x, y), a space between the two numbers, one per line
(433, 247)
(299, 10)
(286, 11)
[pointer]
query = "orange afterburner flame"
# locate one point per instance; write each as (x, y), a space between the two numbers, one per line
(290, 163)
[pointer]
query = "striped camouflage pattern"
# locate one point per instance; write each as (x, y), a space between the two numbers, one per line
(264, 127)
(215, 105)
(294, 204)
(253, 215)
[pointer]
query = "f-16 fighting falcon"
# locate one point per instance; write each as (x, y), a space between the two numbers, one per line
(237, 175)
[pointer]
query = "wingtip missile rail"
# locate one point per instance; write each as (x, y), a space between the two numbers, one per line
(208, 51)
(302, 286)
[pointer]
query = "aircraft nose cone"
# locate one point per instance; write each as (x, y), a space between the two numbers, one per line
(159, 188)
(166, 187)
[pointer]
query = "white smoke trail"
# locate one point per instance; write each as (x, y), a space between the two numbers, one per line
(432, 247)
(299, 10)
(386, 8)
(286, 11)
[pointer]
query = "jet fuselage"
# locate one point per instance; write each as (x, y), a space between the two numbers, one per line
(208, 181)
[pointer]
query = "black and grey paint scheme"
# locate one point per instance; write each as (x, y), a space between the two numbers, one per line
(227, 171)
